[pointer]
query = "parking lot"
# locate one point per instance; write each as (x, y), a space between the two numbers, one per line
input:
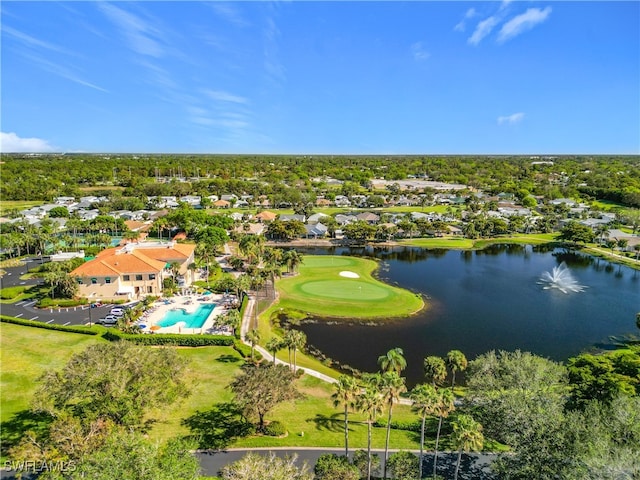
(82, 315)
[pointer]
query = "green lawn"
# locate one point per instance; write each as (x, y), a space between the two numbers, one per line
(319, 289)
(26, 353)
(7, 205)
(29, 352)
(466, 243)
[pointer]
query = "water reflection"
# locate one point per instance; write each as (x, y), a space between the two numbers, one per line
(483, 301)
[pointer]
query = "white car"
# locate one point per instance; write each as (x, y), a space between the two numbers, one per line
(117, 311)
(108, 320)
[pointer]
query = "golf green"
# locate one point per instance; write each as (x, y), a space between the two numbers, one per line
(341, 286)
(353, 290)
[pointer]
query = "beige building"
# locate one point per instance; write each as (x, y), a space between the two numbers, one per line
(134, 270)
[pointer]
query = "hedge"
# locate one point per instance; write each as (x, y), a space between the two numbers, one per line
(173, 339)
(47, 326)
(275, 429)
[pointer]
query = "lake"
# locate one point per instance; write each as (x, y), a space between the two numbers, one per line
(485, 300)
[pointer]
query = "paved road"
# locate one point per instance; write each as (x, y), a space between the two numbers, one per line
(26, 308)
(472, 467)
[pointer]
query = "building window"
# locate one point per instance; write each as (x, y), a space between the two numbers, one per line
(149, 289)
(126, 278)
(107, 280)
(152, 276)
(79, 281)
(94, 281)
(138, 277)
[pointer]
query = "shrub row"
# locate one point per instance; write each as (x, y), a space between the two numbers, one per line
(275, 429)
(9, 293)
(411, 426)
(47, 326)
(176, 340)
(47, 302)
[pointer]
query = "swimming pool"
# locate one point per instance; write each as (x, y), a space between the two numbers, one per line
(191, 320)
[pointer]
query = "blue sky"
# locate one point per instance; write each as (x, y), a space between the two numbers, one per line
(321, 77)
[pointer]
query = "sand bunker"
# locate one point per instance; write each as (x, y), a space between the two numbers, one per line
(349, 274)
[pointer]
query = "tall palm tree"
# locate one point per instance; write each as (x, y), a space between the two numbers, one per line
(425, 399)
(292, 259)
(346, 392)
(444, 407)
(370, 402)
(295, 340)
(467, 436)
(232, 318)
(456, 361)
(253, 337)
(391, 386)
(273, 345)
(393, 361)
(435, 370)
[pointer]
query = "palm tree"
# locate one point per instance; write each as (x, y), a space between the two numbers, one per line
(467, 436)
(602, 231)
(425, 399)
(370, 402)
(456, 361)
(346, 393)
(391, 386)
(393, 361)
(273, 345)
(253, 337)
(444, 407)
(435, 370)
(232, 318)
(292, 259)
(295, 340)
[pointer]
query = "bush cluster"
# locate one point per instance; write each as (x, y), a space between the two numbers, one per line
(176, 340)
(275, 429)
(409, 425)
(47, 326)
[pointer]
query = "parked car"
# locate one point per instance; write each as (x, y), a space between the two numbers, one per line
(109, 320)
(117, 311)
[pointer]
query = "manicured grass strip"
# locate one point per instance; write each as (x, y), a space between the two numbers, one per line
(51, 326)
(319, 289)
(26, 353)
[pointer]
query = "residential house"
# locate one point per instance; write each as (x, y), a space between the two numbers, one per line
(289, 217)
(317, 230)
(316, 218)
(134, 270)
(370, 218)
(221, 204)
(342, 201)
(266, 216)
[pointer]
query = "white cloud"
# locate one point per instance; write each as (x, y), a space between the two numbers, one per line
(523, 22)
(418, 51)
(33, 42)
(221, 96)
(483, 29)
(229, 13)
(511, 119)
(12, 143)
(138, 32)
(461, 26)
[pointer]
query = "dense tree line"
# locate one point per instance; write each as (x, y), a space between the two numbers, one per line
(290, 177)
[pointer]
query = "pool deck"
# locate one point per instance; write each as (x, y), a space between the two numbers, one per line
(190, 304)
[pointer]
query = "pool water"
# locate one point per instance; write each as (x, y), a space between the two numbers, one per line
(191, 320)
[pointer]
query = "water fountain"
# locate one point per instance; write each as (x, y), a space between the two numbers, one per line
(560, 278)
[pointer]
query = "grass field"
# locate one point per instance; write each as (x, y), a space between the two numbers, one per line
(466, 243)
(7, 205)
(26, 353)
(29, 352)
(319, 289)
